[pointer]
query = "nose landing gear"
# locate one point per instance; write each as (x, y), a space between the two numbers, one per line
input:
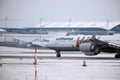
(58, 54)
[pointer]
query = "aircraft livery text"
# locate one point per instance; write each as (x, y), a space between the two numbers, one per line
(63, 38)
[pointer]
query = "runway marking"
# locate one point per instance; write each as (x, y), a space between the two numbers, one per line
(53, 57)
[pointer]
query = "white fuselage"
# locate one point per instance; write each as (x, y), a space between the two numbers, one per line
(69, 43)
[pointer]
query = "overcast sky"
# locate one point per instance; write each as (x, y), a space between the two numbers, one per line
(30, 11)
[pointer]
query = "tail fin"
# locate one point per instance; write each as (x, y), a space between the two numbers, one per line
(67, 34)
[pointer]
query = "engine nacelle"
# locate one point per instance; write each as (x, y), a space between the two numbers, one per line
(86, 47)
(89, 49)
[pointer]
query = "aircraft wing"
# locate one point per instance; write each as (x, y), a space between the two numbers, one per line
(18, 40)
(38, 43)
(105, 46)
(22, 42)
(114, 45)
(34, 43)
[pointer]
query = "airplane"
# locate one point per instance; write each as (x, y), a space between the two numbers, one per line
(91, 45)
(88, 44)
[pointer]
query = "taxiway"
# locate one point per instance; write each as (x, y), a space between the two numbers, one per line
(17, 64)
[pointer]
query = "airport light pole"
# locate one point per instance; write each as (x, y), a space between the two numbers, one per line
(69, 22)
(107, 23)
(6, 18)
(6, 24)
(41, 19)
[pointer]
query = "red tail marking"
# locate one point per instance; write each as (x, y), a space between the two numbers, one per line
(67, 34)
(77, 42)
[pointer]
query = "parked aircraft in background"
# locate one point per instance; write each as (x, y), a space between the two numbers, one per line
(90, 45)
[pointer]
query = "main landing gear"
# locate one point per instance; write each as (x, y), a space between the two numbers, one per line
(117, 55)
(58, 54)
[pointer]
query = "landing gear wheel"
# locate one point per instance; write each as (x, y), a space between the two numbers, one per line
(117, 55)
(58, 55)
(97, 51)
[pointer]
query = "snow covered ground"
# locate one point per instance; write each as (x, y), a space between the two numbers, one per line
(58, 69)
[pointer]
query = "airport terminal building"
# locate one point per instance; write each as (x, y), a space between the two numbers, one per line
(71, 30)
(49, 31)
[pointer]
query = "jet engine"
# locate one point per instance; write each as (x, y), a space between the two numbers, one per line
(89, 49)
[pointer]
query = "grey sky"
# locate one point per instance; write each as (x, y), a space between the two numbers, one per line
(57, 11)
